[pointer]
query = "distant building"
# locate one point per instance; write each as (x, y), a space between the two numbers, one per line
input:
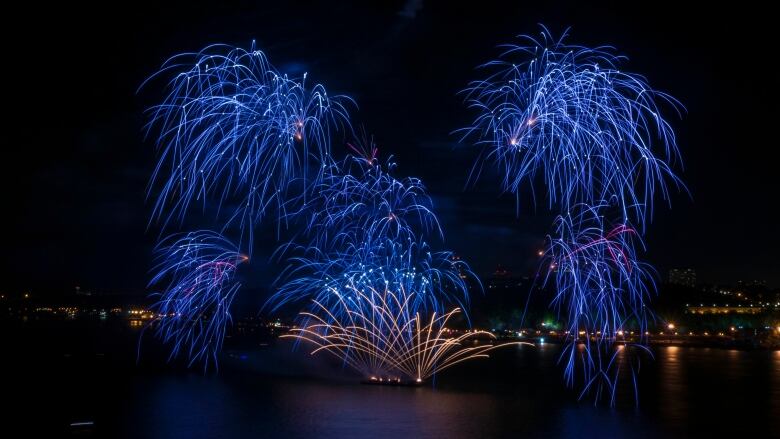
(683, 276)
(724, 309)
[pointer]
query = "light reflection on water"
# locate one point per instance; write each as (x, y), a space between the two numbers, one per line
(515, 393)
(672, 381)
(272, 392)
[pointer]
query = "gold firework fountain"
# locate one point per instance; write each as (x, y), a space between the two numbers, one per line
(377, 333)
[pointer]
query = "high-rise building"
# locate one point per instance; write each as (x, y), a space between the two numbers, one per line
(683, 276)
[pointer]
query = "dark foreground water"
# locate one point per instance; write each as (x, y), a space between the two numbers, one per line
(51, 381)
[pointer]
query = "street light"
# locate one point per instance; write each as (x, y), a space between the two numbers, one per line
(670, 326)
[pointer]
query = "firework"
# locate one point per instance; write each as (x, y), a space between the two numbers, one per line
(437, 278)
(377, 333)
(359, 197)
(196, 272)
(569, 116)
(232, 128)
(364, 225)
(602, 291)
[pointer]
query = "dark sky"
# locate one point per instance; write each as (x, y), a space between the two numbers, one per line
(75, 162)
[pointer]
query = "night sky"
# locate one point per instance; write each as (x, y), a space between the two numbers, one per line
(76, 164)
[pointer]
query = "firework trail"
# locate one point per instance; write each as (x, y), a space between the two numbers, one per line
(568, 116)
(365, 225)
(438, 278)
(195, 275)
(233, 131)
(361, 198)
(377, 333)
(602, 291)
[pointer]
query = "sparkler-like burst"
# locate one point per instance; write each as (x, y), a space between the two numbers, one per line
(360, 200)
(568, 115)
(196, 272)
(232, 128)
(438, 278)
(378, 333)
(364, 225)
(602, 293)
